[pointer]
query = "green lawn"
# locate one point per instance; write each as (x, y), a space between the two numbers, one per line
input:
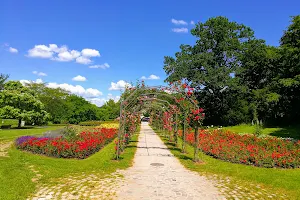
(284, 181)
(15, 175)
(11, 134)
(291, 131)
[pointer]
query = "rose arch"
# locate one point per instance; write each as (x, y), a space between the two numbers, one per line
(173, 109)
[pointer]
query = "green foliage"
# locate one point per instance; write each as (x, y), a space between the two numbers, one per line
(237, 77)
(12, 122)
(79, 109)
(69, 132)
(54, 100)
(19, 102)
(3, 78)
(258, 130)
(90, 123)
(66, 107)
(109, 111)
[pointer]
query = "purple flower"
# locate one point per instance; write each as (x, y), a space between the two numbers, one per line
(23, 139)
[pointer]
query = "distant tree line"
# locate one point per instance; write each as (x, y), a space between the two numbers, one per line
(237, 77)
(38, 104)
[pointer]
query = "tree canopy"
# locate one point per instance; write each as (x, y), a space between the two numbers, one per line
(238, 78)
(19, 102)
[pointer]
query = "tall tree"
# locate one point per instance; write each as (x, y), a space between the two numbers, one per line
(210, 64)
(3, 78)
(80, 110)
(19, 102)
(54, 100)
(110, 110)
(288, 82)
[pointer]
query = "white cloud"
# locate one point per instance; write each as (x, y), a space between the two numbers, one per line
(77, 89)
(90, 94)
(101, 101)
(66, 56)
(24, 82)
(115, 98)
(192, 22)
(180, 30)
(39, 73)
(79, 78)
(40, 51)
(120, 85)
(39, 80)
(98, 101)
(13, 50)
(151, 77)
(42, 74)
(103, 66)
(90, 53)
(63, 53)
(83, 60)
(178, 22)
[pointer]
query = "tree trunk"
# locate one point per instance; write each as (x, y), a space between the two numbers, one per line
(183, 137)
(20, 122)
(196, 149)
(176, 132)
(175, 137)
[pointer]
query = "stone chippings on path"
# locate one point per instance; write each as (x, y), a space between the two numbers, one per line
(238, 190)
(92, 187)
(170, 180)
(155, 174)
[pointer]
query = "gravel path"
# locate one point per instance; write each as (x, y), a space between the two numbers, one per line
(157, 174)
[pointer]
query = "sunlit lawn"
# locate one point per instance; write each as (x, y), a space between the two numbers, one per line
(291, 131)
(15, 175)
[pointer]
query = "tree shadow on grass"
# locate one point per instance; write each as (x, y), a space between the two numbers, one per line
(288, 132)
(184, 157)
(24, 127)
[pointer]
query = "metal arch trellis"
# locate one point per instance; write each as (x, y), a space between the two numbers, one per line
(151, 94)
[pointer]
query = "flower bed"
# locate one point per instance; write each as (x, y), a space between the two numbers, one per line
(249, 149)
(109, 124)
(81, 146)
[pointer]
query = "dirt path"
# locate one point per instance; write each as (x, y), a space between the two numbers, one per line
(157, 174)
(4, 146)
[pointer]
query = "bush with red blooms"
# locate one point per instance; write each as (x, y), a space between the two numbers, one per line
(248, 149)
(81, 146)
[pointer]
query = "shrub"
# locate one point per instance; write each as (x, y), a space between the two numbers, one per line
(12, 122)
(90, 123)
(249, 149)
(82, 146)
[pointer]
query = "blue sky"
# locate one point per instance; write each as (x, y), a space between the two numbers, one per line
(131, 37)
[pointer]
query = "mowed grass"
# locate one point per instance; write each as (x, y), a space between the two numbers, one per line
(11, 134)
(290, 131)
(283, 181)
(16, 176)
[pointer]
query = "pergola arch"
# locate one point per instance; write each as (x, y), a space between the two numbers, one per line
(135, 101)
